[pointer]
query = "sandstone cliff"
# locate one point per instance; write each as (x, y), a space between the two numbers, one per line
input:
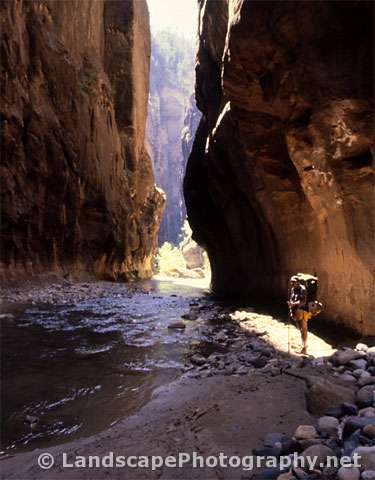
(280, 178)
(77, 184)
(171, 86)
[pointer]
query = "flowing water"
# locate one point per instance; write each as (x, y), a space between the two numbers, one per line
(71, 370)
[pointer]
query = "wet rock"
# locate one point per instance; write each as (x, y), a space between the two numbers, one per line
(305, 432)
(365, 397)
(321, 452)
(177, 325)
(369, 430)
(190, 316)
(348, 473)
(6, 316)
(367, 455)
(328, 425)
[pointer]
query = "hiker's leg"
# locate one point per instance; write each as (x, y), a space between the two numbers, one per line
(304, 330)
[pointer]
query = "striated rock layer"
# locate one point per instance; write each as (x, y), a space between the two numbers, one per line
(77, 184)
(280, 178)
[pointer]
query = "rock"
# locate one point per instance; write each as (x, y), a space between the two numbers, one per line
(242, 370)
(269, 451)
(354, 423)
(358, 372)
(7, 316)
(322, 394)
(286, 476)
(348, 473)
(365, 397)
(361, 347)
(220, 337)
(360, 363)
(32, 419)
(177, 325)
(349, 408)
(366, 380)
(81, 175)
(300, 474)
(198, 359)
(321, 452)
(346, 377)
(369, 430)
(335, 411)
(268, 474)
(305, 432)
(190, 316)
(237, 89)
(368, 475)
(259, 362)
(367, 412)
(343, 357)
(329, 425)
(367, 455)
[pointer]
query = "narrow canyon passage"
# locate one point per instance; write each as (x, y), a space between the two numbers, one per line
(167, 169)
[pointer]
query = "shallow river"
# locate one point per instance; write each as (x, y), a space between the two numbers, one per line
(78, 368)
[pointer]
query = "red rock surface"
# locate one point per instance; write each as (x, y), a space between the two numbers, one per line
(77, 184)
(280, 178)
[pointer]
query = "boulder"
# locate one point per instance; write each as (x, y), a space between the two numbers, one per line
(328, 425)
(360, 363)
(348, 473)
(368, 475)
(343, 357)
(305, 432)
(198, 359)
(369, 430)
(367, 454)
(365, 397)
(320, 452)
(322, 394)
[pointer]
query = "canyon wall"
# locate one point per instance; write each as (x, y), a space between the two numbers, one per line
(78, 190)
(280, 178)
(170, 107)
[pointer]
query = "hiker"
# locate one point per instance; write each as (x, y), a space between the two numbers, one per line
(298, 305)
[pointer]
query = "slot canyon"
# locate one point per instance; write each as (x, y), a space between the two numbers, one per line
(187, 239)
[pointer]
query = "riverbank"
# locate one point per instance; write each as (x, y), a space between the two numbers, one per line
(240, 379)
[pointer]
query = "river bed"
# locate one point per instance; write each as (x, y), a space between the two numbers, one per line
(76, 362)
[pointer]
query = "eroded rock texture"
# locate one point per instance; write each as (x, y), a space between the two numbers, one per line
(280, 178)
(77, 184)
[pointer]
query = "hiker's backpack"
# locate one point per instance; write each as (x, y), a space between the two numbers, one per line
(310, 282)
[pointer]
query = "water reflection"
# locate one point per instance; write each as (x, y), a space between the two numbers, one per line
(73, 370)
